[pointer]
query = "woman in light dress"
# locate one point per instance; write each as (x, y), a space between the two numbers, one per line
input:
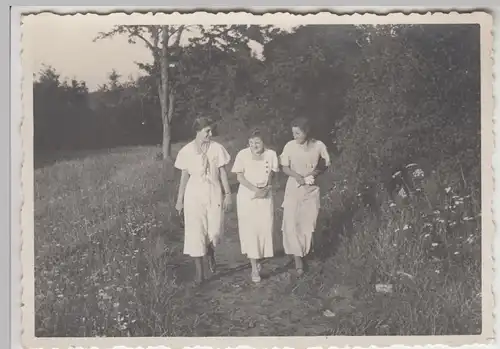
(254, 167)
(204, 194)
(300, 161)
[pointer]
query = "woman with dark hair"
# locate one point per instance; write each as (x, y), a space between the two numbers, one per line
(254, 167)
(300, 161)
(204, 194)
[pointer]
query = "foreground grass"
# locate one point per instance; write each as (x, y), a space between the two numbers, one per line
(109, 262)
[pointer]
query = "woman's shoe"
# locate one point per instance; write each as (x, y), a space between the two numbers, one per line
(256, 277)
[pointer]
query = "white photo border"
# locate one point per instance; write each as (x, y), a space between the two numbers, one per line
(487, 145)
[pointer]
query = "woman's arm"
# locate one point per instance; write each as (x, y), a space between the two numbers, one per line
(241, 178)
(319, 170)
(227, 188)
(224, 180)
(182, 189)
(324, 161)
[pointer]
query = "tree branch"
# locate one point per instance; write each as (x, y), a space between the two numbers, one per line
(134, 31)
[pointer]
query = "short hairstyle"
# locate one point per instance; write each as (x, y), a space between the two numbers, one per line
(201, 122)
(303, 124)
(257, 132)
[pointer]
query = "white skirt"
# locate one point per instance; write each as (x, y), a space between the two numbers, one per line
(255, 224)
(203, 216)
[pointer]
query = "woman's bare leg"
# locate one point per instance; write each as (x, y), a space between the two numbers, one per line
(299, 264)
(255, 270)
(254, 263)
(198, 261)
(211, 257)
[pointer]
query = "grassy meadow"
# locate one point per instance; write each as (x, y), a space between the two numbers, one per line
(108, 259)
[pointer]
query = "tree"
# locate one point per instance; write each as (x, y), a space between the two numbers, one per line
(60, 112)
(164, 42)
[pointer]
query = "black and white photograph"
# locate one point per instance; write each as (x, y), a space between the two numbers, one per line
(197, 176)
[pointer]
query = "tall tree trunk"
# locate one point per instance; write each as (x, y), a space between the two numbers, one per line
(164, 96)
(167, 137)
(167, 141)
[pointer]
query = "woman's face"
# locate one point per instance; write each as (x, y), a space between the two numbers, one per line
(299, 135)
(205, 134)
(256, 145)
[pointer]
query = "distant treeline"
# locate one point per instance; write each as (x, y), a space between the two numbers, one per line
(378, 96)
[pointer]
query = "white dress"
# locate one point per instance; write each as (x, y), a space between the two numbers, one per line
(203, 198)
(255, 216)
(301, 204)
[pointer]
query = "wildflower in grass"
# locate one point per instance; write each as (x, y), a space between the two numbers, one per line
(392, 204)
(406, 227)
(426, 235)
(402, 193)
(418, 173)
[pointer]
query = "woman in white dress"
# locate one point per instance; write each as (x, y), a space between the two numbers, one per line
(300, 161)
(254, 167)
(204, 194)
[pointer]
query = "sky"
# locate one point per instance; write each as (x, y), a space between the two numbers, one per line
(66, 44)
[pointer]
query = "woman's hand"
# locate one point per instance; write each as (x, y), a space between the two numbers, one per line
(300, 180)
(179, 206)
(309, 180)
(228, 202)
(261, 193)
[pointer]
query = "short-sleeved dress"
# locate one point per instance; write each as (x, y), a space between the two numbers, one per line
(301, 204)
(203, 197)
(255, 215)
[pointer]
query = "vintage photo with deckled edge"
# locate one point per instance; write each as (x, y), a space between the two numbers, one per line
(27, 255)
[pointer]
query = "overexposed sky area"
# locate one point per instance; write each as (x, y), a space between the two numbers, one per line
(66, 44)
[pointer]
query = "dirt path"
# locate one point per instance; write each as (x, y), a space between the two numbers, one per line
(230, 304)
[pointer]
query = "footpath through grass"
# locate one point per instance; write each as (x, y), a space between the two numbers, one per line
(108, 262)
